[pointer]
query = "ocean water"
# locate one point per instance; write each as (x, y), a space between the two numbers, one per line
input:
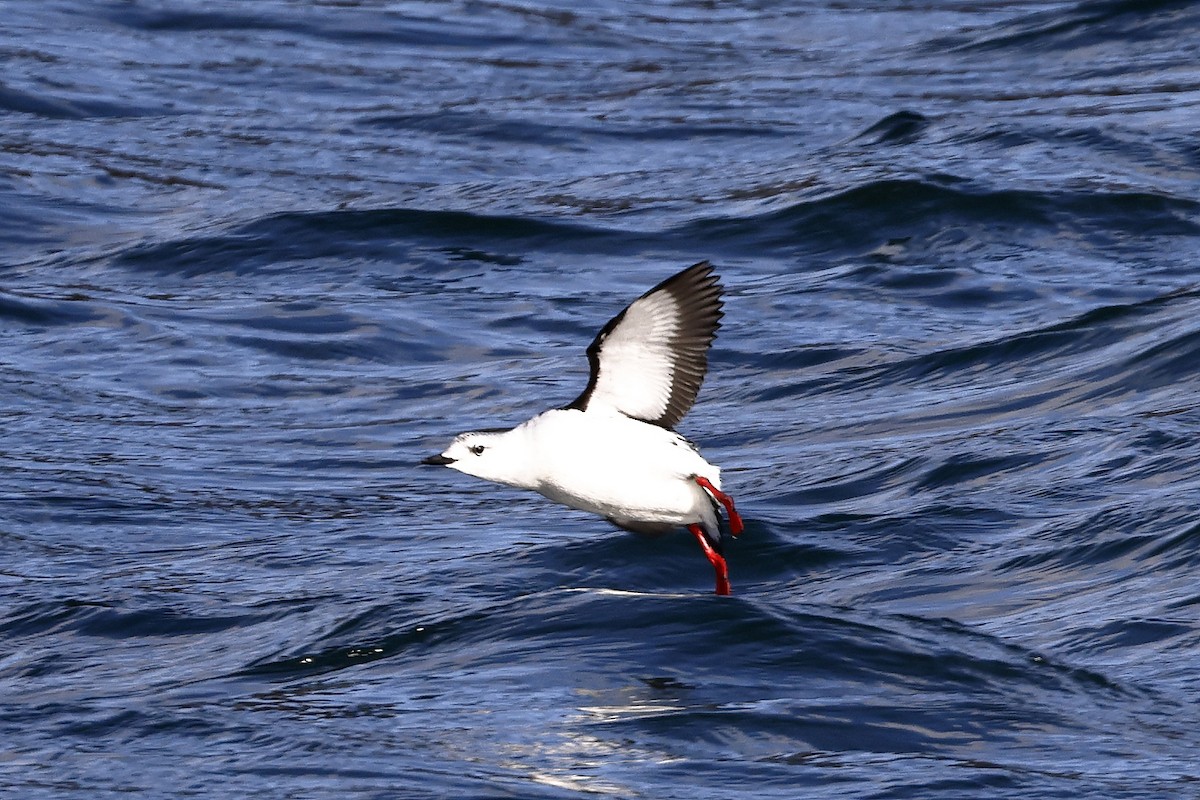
(258, 259)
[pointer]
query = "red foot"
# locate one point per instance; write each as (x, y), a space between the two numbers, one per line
(735, 521)
(715, 559)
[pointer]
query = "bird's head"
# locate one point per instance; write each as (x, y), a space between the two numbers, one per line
(493, 455)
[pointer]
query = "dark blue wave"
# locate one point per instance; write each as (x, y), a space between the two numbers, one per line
(52, 106)
(33, 311)
(1082, 341)
(385, 234)
(902, 127)
(1086, 25)
(101, 619)
(388, 28)
(867, 215)
(773, 649)
(558, 134)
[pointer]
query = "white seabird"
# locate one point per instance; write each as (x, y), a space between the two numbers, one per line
(613, 450)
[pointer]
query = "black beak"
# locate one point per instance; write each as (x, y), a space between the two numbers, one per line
(437, 461)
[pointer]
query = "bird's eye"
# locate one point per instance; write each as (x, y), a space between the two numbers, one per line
(477, 449)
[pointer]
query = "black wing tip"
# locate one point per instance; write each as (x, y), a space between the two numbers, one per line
(698, 289)
(699, 277)
(700, 286)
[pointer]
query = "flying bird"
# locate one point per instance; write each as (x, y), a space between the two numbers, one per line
(613, 451)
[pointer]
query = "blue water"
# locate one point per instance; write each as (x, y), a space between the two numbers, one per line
(258, 259)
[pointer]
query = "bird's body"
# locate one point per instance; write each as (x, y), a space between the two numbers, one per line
(612, 451)
(628, 471)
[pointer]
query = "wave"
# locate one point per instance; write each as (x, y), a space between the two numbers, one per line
(43, 104)
(105, 619)
(901, 127)
(1085, 25)
(858, 220)
(508, 128)
(861, 218)
(396, 30)
(39, 312)
(1102, 351)
(281, 241)
(675, 647)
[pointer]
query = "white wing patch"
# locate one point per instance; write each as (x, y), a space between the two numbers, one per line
(637, 364)
(648, 362)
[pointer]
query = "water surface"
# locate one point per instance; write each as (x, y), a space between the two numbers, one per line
(258, 259)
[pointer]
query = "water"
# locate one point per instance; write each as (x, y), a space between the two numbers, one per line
(259, 259)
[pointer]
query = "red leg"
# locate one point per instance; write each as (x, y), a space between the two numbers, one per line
(735, 521)
(714, 558)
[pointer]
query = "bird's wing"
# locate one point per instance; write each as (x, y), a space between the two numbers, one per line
(648, 362)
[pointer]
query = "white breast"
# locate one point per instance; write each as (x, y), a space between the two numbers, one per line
(618, 467)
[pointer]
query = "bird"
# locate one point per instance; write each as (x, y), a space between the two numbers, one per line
(613, 450)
